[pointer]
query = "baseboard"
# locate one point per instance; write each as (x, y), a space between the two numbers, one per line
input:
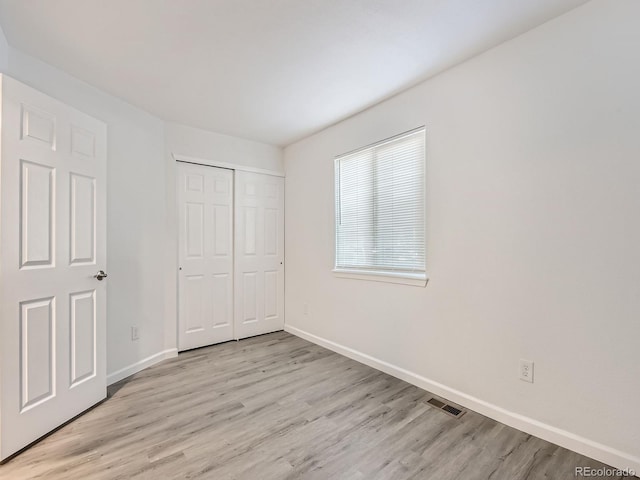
(141, 365)
(563, 438)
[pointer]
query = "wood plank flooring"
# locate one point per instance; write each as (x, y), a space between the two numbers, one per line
(279, 407)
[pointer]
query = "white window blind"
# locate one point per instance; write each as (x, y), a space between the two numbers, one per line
(380, 219)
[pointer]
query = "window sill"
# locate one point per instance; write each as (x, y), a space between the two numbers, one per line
(417, 280)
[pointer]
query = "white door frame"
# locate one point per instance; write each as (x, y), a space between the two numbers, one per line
(231, 166)
(177, 157)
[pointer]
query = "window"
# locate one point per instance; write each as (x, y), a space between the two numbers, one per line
(380, 203)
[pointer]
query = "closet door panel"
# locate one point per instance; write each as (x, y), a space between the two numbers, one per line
(205, 281)
(259, 287)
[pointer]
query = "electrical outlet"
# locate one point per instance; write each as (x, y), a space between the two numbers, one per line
(305, 308)
(135, 335)
(526, 370)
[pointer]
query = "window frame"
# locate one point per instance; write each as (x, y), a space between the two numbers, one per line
(381, 275)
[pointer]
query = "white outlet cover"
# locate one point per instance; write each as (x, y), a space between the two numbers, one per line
(526, 370)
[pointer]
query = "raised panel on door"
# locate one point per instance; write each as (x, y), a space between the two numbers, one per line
(250, 216)
(221, 222)
(259, 254)
(82, 220)
(205, 203)
(271, 232)
(37, 204)
(222, 295)
(194, 182)
(83, 142)
(82, 327)
(194, 230)
(38, 125)
(194, 303)
(249, 297)
(53, 237)
(37, 347)
(271, 294)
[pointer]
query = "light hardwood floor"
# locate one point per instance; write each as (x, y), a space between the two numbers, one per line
(279, 407)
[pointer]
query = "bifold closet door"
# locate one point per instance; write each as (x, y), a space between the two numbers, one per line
(205, 284)
(259, 254)
(53, 295)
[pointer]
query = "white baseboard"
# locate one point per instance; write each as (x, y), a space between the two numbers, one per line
(563, 438)
(141, 365)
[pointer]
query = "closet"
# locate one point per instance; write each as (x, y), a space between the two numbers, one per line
(231, 254)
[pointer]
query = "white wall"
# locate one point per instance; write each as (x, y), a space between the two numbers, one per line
(533, 231)
(4, 52)
(207, 148)
(218, 147)
(135, 200)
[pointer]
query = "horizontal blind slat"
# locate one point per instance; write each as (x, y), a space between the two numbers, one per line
(380, 206)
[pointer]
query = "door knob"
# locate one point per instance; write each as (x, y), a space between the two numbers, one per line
(100, 275)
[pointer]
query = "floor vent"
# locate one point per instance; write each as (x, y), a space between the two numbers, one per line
(446, 408)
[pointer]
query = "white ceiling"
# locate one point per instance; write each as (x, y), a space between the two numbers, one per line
(268, 70)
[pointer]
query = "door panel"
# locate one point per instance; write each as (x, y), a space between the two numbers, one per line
(53, 236)
(259, 260)
(248, 294)
(271, 281)
(83, 220)
(194, 223)
(83, 142)
(222, 300)
(38, 125)
(37, 194)
(83, 336)
(250, 228)
(194, 299)
(205, 202)
(271, 224)
(37, 344)
(221, 222)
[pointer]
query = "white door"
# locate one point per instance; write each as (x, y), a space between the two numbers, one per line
(205, 202)
(53, 232)
(259, 270)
